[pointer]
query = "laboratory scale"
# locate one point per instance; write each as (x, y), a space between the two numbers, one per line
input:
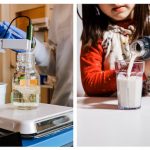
(47, 125)
(45, 120)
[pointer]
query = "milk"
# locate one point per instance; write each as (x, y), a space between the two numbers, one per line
(134, 56)
(129, 90)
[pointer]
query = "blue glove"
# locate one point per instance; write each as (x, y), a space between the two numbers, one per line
(12, 33)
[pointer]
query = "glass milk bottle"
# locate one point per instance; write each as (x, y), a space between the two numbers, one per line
(142, 48)
(26, 83)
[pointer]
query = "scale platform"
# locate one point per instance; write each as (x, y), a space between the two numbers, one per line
(36, 123)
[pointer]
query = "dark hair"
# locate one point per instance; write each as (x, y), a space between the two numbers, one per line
(94, 24)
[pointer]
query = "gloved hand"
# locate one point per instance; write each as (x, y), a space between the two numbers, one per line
(12, 33)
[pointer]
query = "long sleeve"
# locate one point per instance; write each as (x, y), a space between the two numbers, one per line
(96, 80)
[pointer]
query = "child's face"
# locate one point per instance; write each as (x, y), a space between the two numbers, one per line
(117, 12)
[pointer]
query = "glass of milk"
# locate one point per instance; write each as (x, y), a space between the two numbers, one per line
(129, 83)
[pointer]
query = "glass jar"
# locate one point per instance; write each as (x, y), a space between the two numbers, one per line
(26, 83)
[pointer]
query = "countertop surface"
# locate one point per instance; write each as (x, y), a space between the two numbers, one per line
(101, 123)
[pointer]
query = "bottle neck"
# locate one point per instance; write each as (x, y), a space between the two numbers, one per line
(142, 47)
(25, 62)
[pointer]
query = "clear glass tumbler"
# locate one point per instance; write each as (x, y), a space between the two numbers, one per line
(129, 86)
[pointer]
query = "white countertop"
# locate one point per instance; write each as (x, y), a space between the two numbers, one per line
(101, 123)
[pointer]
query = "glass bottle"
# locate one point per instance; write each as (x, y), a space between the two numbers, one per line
(142, 47)
(26, 83)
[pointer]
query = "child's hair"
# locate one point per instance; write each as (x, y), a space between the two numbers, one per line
(95, 22)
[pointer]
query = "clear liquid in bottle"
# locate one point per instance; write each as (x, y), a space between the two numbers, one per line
(26, 83)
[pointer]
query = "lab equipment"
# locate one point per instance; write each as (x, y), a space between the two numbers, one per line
(12, 33)
(8, 31)
(142, 46)
(48, 123)
(25, 83)
(24, 44)
(45, 120)
(25, 65)
(14, 38)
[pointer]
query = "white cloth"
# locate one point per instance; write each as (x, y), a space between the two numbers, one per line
(60, 33)
(116, 44)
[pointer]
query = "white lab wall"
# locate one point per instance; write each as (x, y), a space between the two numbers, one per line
(80, 91)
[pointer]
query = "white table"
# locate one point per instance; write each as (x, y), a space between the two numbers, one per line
(101, 123)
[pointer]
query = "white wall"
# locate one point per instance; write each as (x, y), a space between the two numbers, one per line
(80, 91)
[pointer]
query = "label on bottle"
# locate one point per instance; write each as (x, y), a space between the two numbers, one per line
(31, 82)
(22, 82)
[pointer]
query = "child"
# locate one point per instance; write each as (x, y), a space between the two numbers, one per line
(107, 31)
